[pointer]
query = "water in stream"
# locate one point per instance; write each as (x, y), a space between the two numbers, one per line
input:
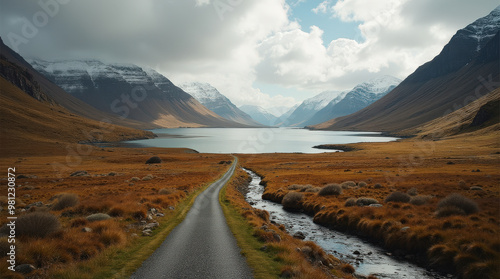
(365, 257)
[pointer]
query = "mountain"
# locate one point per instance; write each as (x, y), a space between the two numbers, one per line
(285, 116)
(361, 96)
(480, 116)
(211, 98)
(131, 92)
(31, 118)
(311, 106)
(466, 69)
(261, 115)
(58, 96)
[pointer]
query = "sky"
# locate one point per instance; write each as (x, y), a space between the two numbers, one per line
(259, 52)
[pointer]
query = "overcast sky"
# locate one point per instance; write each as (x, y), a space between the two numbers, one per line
(262, 52)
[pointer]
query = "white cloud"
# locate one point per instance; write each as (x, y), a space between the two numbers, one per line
(323, 7)
(248, 41)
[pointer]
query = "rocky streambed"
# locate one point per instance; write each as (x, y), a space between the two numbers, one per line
(364, 256)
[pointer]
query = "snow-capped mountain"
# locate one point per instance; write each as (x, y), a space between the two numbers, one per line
(361, 96)
(211, 98)
(483, 29)
(311, 106)
(129, 91)
(451, 79)
(261, 115)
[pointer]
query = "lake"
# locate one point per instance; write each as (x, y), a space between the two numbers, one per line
(254, 140)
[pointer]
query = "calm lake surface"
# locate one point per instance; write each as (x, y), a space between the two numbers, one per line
(254, 140)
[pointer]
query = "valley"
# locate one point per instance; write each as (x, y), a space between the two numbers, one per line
(312, 157)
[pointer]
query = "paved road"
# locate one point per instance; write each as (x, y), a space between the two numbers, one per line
(202, 246)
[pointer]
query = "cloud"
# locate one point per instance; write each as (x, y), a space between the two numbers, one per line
(322, 7)
(234, 44)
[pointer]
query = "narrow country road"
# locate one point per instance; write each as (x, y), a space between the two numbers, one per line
(202, 246)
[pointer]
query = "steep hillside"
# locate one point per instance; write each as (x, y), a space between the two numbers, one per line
(28, 123)
(59, 96)
(130, 92)
(211, 98)
(482, 115)
(468, 67)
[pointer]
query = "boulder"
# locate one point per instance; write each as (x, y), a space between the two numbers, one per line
(98, 217)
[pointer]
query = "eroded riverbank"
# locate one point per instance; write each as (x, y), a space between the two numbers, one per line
(365, 257)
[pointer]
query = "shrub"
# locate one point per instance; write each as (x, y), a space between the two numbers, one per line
(139, 214)
(347, 268)
(298, 187)
(348, 184)
(78, 222)
(165, 191)
(412, 191)
(65, 201)
(313, 190)
(378, 186)
(446, 211)
(292, 200)
(398, 197)
(456, 200)
(154, 160)
(420, 200)
(364, 201)
(36, 224)
(362, 184)
(350, 202)
(116, 211)
(330, 189)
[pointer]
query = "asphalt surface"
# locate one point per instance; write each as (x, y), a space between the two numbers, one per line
(201, 246)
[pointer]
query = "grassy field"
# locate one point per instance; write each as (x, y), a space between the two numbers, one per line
(116, 182)
(412, 182)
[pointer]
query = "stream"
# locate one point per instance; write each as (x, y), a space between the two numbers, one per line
(365, 257)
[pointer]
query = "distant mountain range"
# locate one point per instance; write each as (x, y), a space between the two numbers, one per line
(467, 68)
(331, 104)
(130, 91)
(211, 98)
(261, 115)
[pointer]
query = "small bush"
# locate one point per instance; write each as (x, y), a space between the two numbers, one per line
(36, 224)
(412, 191)
(348, 184)
(364, 201)
(296, 187)
(292, 200)
(139, 214)
(65, 201)
(330, 189)
(165, 191)
(313, 190)
(79, 222)
(398, 197)
(154, 160)
(420, 200)
(347, 268)
(116, 211)
(350, 202)
(378, 186)
(446, 211)
(362, 184)
(456, 200)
